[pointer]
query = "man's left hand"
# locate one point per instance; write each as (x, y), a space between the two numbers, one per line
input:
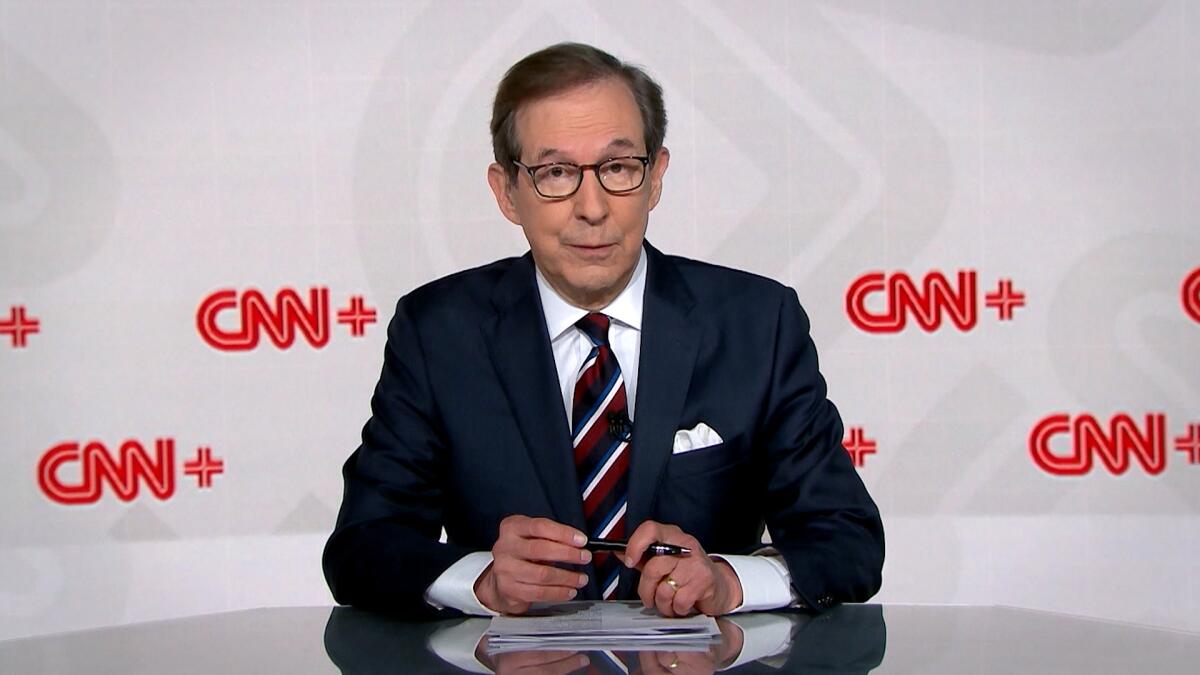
(679, 585)
(718, 657)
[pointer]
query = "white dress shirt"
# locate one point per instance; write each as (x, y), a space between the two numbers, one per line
(766, 583)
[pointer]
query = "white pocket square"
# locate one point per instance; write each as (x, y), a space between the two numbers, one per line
(702, 436)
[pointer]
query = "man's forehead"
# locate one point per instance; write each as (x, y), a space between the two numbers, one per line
(550, 153)
(581, 122)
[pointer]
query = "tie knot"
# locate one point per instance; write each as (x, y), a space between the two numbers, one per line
(595, 326)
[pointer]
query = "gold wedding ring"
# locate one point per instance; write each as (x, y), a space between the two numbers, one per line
(672, 583)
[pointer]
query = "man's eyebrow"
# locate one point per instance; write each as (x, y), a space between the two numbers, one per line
(622, 143)
(546, 152)
(615, 144)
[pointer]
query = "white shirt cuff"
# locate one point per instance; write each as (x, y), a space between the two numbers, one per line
(456, 644)
(763, 636)
(455, 588)
(766, 583)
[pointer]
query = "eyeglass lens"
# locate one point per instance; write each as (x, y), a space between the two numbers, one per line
(616, 175)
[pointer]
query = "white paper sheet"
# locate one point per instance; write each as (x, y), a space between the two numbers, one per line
(591, 624)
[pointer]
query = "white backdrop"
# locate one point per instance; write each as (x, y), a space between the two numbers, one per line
(161, 161)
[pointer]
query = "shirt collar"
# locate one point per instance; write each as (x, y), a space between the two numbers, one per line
(626, 308)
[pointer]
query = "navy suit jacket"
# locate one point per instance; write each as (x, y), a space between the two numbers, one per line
(468, 427)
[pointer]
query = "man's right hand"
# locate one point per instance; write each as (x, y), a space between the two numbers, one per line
(522, 570)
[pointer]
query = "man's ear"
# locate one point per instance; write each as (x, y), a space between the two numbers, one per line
(502, 188)
(661, 159)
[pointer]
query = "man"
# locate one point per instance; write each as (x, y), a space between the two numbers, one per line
(597, 388)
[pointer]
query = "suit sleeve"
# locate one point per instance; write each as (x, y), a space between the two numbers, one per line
(384, 551)
(819, 514)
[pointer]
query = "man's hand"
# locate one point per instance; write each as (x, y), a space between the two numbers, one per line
(530, 662)
(681, 585)
(718, 656)
(522, 570)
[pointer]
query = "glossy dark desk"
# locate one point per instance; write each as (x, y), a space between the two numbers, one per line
(849, 639)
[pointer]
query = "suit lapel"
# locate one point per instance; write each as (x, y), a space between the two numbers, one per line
(520, 352)
(670, 342)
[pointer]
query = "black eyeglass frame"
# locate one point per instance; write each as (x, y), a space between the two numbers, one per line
(644, 159)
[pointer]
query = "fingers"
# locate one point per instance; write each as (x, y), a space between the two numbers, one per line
(648, 664)
(683, 585)
(542, 528)
(522, 571)
(692, 574)
(654, 574)
(666, 662)
(671, 591)
(551, 663)
(663, 662)
(678, 593)
(506, 593)
(690, 595)
(541, 550)
(524, 559)
(664, 598)
(525, 594)
(651, 532)
(697, 579)
(647, 533)
(699, 663)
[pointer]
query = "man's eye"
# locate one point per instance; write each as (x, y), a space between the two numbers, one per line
(557, 172)
(615, 168)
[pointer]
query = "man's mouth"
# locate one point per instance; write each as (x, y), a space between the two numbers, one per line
(592, 251)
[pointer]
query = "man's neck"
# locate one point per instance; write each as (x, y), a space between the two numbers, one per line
(600, 300)
(625, 307)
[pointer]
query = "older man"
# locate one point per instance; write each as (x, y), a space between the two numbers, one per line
(596, 388)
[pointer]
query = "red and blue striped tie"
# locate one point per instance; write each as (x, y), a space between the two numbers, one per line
(600, 433)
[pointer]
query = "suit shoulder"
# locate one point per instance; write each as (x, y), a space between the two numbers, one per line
(459, 292)
(715, 283)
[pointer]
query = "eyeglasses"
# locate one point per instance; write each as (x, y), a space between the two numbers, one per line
(617, 175)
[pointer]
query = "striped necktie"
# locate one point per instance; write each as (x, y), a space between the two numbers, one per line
(600, 433)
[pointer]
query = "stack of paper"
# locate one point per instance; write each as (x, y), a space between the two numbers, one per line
(588, 625)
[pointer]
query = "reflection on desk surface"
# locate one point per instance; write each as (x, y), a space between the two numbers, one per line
(849, 639)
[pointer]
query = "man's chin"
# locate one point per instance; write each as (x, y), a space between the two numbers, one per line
(593, 291)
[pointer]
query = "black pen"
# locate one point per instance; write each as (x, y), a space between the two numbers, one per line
(654, 549)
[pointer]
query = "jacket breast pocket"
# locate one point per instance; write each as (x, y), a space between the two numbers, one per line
(710, 494)
(696, 463)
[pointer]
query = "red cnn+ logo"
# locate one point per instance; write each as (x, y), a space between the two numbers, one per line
(231, 321)
(72, 473)
(927, 302)
(18, 326)
(1191, 295)
(858, 446)
(1085, 437)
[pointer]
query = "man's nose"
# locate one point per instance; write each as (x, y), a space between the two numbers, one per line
(591, 200)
